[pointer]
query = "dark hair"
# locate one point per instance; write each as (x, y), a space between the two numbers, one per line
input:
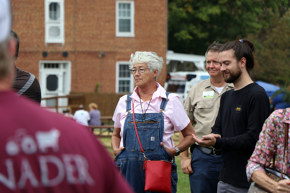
(215, 46)
(15, 36)
(242, 48)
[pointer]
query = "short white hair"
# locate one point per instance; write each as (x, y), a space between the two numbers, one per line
(150, 58)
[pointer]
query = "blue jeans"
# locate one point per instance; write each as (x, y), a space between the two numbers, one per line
(206, 169)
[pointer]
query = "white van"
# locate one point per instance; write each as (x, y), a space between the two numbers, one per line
(181, 82)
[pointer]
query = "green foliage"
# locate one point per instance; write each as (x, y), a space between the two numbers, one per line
(272, 51)
(97, 87)
(194, 24)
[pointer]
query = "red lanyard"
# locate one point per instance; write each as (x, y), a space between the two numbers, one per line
(136, 128)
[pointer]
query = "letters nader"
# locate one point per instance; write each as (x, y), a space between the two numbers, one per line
(72, 168)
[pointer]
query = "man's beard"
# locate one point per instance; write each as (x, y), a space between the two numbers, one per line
(233, 77)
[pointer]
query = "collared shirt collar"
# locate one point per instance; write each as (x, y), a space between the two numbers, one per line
(208, 83)
(160, 92)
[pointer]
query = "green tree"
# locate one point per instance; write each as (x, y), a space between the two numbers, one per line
(273, 51)
(194, 24)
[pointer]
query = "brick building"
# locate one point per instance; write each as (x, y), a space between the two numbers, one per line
(74, 45)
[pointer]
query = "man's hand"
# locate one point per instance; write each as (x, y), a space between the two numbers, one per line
(186, 165)
(207, 140)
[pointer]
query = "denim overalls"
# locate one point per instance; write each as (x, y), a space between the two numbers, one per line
(150, 127)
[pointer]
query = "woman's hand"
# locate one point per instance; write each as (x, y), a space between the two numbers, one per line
(115, 142)
(283, 186)
(170, 151)
(118, 150)
(261, 178)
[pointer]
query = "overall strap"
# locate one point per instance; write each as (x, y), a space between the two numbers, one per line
(27, 84)
(128, 108)
(128, 103)
(164, 102)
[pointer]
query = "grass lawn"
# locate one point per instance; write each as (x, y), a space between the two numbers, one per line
(183, 181)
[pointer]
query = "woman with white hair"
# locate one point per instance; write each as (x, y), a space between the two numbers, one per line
(157, 115)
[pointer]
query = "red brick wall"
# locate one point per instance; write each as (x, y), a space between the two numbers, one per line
(89, 30)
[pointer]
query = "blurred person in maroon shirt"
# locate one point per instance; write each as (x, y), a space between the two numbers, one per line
(41, 151)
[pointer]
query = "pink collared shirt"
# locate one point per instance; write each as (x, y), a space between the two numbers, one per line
(175, 118)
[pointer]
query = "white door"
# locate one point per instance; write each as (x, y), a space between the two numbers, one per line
(54, 81)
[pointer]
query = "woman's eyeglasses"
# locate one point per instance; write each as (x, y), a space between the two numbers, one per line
(140, 70)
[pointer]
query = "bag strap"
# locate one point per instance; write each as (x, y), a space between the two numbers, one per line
(163, 104)
(27, 84)
(286, 129)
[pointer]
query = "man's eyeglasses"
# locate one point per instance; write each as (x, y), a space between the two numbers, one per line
(140, 70)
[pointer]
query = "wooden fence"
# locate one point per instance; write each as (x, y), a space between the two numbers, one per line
(106, 101)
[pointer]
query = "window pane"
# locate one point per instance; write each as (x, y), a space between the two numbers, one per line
(52, 82)
(124, 10)
(51, 65)
(54, 11)
(54, 31)
(124, 86)
(124, 71)
(124, 14)
(124, 25)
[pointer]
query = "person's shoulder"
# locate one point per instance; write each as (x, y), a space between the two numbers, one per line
(21, 73)
(230, 85)
(255, 86)
(257, 90)
(202, 84)
(228, 92)
(173, 97)
(227, 95)
(279, 113)
(124, 97)
(35, 81)
(122, 102)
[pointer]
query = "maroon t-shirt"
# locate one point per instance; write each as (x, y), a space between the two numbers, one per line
(41, 151)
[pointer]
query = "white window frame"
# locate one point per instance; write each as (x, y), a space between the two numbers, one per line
(123, 78)
(125, 34)
(54, 23)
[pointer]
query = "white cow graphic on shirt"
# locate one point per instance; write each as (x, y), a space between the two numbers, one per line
(47, 140)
